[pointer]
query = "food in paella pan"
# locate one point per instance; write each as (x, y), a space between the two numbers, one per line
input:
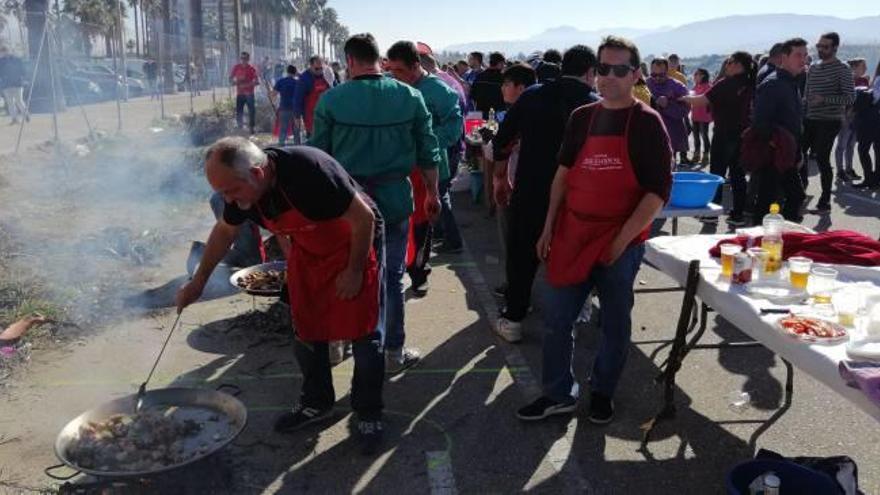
(145, 441)
(269, 280)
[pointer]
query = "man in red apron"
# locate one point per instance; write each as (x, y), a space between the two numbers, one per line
(614, 177)
(309, 88)
(334, 266)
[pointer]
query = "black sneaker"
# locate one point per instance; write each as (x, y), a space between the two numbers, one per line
(371, 434)
(447, 249)
(545, 407)
(853, 175)
(500, 291)
(420, 286)
(299, 417)
(822, 208)
(601, 409)
(736, 220)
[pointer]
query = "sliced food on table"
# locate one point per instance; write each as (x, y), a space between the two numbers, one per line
(812, 329)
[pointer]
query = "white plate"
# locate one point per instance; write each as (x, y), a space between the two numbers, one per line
(811, 339)
(273, 265)
(864, 350)
(775, 291)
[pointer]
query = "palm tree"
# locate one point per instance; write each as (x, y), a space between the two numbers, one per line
(329, 20)
(196, 33)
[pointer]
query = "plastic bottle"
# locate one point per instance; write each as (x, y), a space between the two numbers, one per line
(772, 240)
(493, 124)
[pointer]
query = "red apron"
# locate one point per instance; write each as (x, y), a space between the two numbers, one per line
(601, 193)
(318, 88)
(419, 216)
(319, 252)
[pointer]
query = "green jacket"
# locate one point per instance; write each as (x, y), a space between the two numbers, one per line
(378, 129)
(446, 116)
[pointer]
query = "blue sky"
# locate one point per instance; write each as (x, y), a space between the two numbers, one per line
(444, 22)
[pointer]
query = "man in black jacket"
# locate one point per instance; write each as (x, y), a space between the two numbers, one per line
(778, 104)
(486, 89)
(538, 120)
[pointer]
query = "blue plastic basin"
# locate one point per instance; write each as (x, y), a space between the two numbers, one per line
(693, 189)
(795, 479)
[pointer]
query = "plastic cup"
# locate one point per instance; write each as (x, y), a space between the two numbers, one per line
(758, 256)
(822, 284)
(728, 251)
(799, 271)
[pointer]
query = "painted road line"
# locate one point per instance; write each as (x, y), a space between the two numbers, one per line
(560, 455)
(441, 479)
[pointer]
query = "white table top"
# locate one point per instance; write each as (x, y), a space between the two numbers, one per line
(672, 254)
(711, 210)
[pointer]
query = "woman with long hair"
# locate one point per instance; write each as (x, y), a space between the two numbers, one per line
(731, 99)
(701, 118)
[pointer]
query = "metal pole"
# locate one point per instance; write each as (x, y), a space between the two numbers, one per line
(52, 82)
(33, 81)
(118, 93)
(122, 49)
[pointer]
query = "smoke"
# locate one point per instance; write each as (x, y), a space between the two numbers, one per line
(98, 219)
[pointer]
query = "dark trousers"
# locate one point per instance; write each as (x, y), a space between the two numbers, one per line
(870, 170)
(240, 102)
(526, 215)
(725, 163)
(366, 384)
(419, 269)
(701, 132)
(446, 226)
(369, 363)
(770, 183)
(819, 136)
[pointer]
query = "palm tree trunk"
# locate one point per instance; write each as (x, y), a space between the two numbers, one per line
(197, 38)
(236, 19)
(168, 85)
(137, 35)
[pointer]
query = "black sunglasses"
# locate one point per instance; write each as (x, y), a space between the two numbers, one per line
(620, 70)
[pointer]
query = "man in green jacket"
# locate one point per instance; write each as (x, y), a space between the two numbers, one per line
(442, 101)
(378, 129)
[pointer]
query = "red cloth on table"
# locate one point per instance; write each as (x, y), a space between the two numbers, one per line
(837, 247)
(419, 216)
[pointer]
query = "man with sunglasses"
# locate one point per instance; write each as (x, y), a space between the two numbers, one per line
(667, 93)
(829, 91)
(245, 78)
(614, 175)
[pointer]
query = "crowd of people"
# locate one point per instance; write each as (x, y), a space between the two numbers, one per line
(581, 165)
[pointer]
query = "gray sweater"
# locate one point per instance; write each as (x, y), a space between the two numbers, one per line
(833, 80)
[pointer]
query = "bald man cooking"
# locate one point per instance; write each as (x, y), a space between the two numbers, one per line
(334, 266)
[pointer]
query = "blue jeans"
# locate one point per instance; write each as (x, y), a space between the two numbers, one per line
(561, 308)
(287, 122)
(396, 236)
(448, 228)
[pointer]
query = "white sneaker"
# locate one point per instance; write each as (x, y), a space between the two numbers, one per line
(337, 352)
(398, 360)
(510, 331)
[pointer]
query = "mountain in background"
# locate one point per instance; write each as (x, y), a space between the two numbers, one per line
(721, 35)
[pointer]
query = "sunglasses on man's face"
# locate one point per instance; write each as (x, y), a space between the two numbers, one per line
(823, 46)
(620, 70)
(658, 75)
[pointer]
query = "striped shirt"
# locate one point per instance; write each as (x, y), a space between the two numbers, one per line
(833, 81)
